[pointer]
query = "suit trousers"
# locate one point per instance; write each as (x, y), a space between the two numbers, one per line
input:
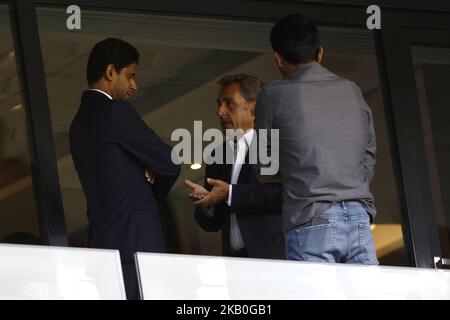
(131, 281)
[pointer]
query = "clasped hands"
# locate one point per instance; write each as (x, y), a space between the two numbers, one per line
(149, 176)
(204, 198)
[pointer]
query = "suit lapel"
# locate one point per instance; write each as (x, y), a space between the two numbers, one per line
(245, 171)
(227, 166)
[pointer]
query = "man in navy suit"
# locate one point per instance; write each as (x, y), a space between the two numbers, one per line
(248, 212)
(112, 147)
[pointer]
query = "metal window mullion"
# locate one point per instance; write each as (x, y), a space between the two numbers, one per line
(411, 146)
(44, 170)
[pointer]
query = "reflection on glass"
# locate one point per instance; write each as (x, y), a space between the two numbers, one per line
(432, 70)
(18, 221)
(181, 59)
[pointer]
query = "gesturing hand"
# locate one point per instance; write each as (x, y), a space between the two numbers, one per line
(219, 193)
(197, 191)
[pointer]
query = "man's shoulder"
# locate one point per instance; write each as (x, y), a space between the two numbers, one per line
(326, 76)
(121, 108)
(352, 85)
(122, 105)
(107, 108)
(272, 92)
(274, 86)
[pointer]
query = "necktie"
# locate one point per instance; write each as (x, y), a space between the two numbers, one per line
(235, 150)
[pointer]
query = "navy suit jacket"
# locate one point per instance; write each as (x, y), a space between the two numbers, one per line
(111, 147)
(258, 212)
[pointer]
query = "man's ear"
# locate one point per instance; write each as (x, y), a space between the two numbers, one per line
(109, 73)
(278, 59)
(252, 106)
(320, 55)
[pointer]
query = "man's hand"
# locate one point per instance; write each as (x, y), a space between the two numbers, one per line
(198, 192)
(150, 176)
(219, 193)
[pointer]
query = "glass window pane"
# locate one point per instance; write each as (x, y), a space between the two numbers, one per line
(181, 60)
(17, 206)
(432, 70)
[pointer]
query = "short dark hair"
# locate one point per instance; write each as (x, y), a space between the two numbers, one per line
(110, 51)
(251, 86)
(296, 39)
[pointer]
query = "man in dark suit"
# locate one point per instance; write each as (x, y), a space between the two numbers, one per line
(112, 147)
(247, 212)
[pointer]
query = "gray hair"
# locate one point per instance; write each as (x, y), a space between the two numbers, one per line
(251, 86)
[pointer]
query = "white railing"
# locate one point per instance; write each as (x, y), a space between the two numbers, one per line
(185, 277)
(44, 272)
(59, 273)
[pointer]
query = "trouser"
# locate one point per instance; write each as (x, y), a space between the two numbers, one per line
(239, 253)
(131, 281)
(341, 234)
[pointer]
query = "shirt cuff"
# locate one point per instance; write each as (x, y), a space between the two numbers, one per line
(230, 189)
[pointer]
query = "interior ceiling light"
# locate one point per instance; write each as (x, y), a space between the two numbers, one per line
(16, 107)
(196, 166)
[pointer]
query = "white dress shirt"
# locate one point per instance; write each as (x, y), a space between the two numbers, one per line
(98, 90)
(236, 241)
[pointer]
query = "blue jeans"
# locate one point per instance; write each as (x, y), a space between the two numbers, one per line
(340, 235)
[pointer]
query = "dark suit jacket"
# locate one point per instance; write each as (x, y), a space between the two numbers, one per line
(111, 147)
(258, 212)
